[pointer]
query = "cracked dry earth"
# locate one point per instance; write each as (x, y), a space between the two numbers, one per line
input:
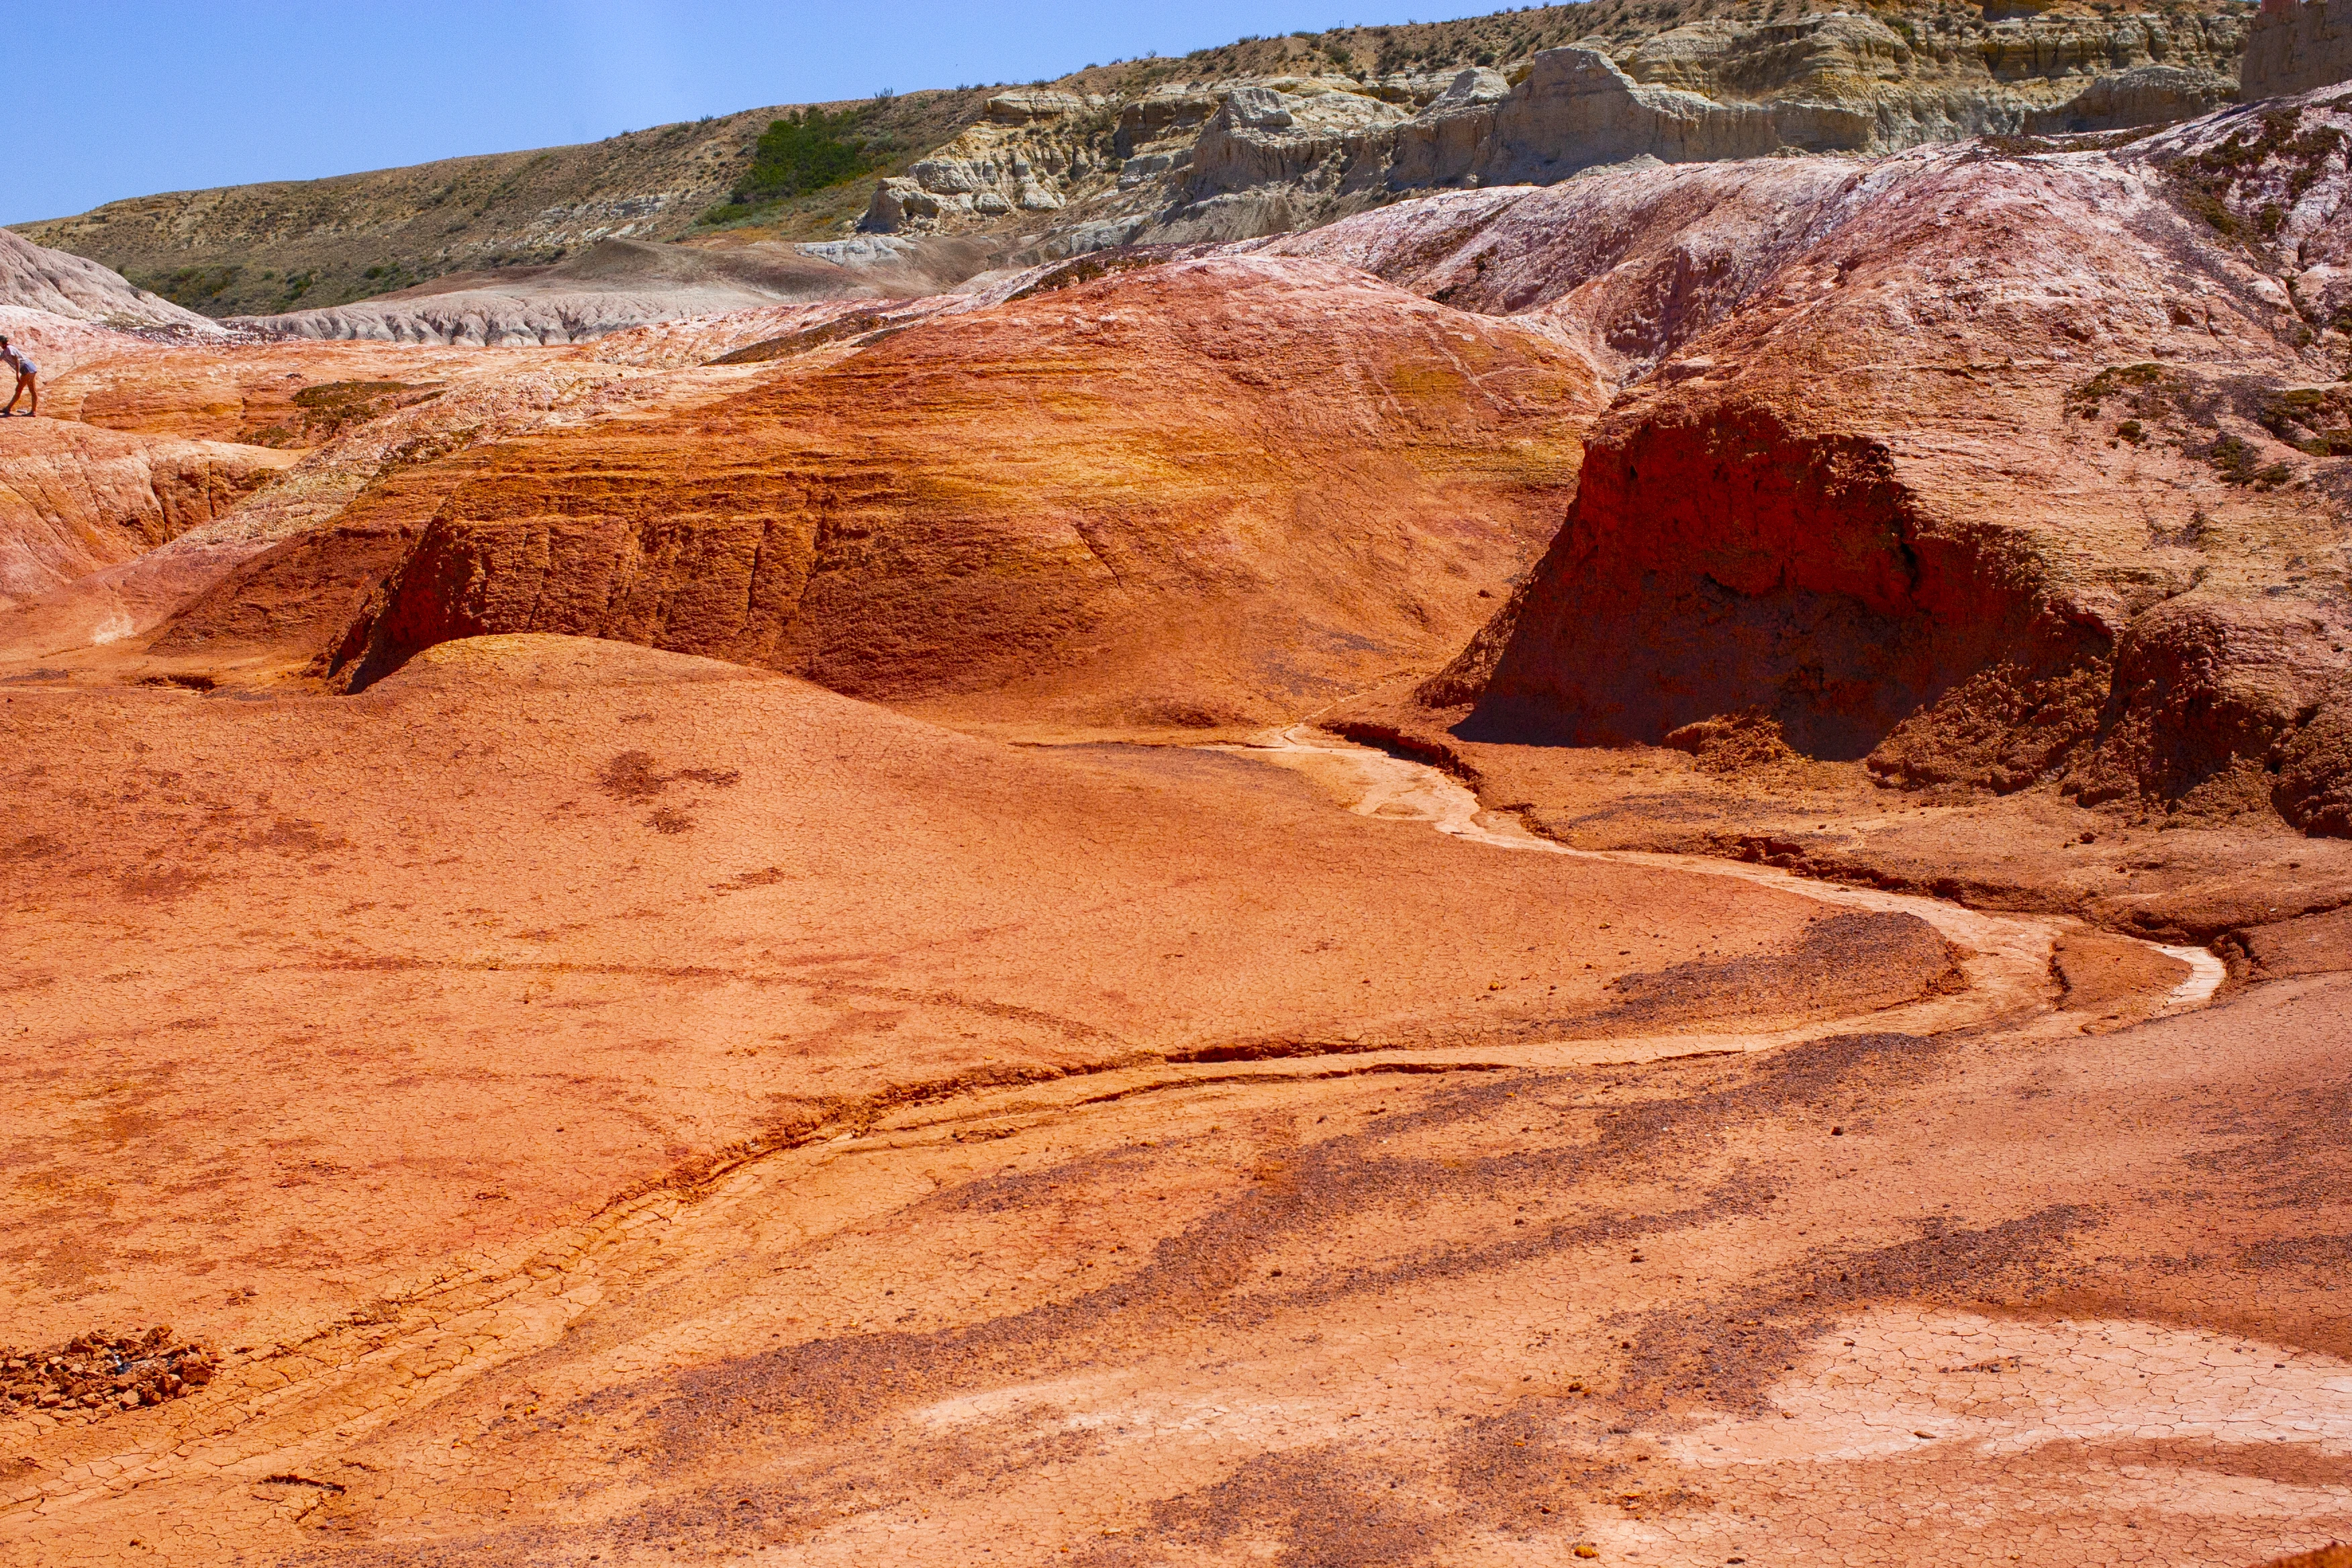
(611, 1106)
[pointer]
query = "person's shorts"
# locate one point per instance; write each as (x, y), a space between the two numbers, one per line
(26, 367)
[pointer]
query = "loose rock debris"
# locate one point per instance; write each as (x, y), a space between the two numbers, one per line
(102, 1373)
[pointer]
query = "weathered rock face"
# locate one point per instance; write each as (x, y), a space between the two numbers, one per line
(1627, 264)
(332, 422)
(2106, 556)
(74, 498)
(2295, 46)
(2145, 95)
(1225, 145)
(1015, 159)
(1228, 159)
(1194, 494)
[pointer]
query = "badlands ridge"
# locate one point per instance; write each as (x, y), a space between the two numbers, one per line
(1352, 877)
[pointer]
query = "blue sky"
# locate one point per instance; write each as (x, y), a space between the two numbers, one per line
(123, 100)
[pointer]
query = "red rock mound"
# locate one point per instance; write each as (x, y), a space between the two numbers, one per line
(1213, 491)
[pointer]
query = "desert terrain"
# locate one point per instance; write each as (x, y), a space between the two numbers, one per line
(1349, 875)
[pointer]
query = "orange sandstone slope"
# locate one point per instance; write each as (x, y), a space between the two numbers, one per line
(1214, 491)
(1996, 468)
(335, 424)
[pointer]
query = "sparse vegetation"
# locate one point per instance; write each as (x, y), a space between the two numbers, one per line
(2236, 461)
(325, 410)
(2212, 184)
(194, 286)
(2135, 380)
(2314, 420)
(807, 169)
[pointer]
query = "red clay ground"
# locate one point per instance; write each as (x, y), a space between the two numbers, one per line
(515, 1098)
(608, 1105)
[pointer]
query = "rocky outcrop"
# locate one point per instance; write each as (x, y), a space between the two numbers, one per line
(1227, 160)
(1025, 148)
(2102, 560)
(2145, 95)
(2313, 759)
(1627, 264)
(2295, 46)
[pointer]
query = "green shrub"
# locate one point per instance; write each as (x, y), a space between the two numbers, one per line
(807, 150)
(2237, 462)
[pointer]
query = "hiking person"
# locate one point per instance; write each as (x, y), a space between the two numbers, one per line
(27, 374)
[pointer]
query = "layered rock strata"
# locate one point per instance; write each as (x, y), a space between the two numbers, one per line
(1999, 470)
(1227, 160)
(74, 498)
(1223, 144)
(2295, 46)
(1192, 494)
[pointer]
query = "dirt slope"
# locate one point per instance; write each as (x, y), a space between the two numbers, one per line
(264, 249)
(57, 284)
(709, 851)
(521, 1097)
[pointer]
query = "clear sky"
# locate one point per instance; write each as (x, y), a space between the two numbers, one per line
(111, 99)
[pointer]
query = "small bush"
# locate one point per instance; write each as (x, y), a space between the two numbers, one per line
(807, 150)
(2317, 420)
(2115, 380)
(2237, 462)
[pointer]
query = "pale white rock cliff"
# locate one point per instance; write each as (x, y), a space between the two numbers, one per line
(59, 284)
(2297, 44)
(1192, 161)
